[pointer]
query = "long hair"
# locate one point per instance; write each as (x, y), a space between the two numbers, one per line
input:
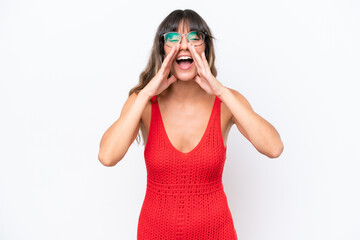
(170, 24)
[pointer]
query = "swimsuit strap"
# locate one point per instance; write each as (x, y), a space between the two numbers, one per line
(153, 98)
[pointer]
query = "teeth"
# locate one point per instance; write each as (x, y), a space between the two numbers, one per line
(184, 58)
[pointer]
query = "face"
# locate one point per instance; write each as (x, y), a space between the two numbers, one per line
(180, 72)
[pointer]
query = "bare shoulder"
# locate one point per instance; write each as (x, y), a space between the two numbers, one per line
(241, 98)
(128, 103)
(145, 115)
(232, 119)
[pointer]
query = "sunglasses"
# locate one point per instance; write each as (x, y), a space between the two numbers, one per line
(196, 38)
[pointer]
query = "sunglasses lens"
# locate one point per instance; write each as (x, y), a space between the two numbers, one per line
(171, 39)
(196, 38)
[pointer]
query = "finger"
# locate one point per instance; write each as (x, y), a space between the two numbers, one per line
(206, 64)
(171, 57)
(168, 57)
(171, 80)
(202, 84)
(198, 79)
(193, 56)
(196, 57)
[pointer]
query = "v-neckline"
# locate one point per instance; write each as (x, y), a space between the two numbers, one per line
(201, 139)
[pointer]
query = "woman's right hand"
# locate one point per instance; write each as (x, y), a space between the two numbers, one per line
(160, 81)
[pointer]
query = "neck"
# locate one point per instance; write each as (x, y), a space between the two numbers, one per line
(185, 90)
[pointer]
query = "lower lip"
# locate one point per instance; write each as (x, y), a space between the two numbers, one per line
(184, 68)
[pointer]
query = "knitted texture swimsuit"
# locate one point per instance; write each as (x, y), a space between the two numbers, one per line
(184, 196)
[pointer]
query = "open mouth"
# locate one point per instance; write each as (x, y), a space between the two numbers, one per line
(184, 63)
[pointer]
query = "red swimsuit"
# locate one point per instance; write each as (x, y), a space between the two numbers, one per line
(184, 196)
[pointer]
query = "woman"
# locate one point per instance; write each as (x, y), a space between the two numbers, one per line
(185, 115)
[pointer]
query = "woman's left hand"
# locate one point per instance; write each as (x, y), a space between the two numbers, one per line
(205, 79)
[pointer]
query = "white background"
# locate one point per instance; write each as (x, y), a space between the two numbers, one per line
(65, 71)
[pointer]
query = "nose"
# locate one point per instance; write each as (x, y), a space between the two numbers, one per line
(183, 42)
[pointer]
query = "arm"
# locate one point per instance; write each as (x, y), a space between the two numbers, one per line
(119, 136)
(257, 130)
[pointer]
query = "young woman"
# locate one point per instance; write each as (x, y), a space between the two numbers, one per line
(185, 114)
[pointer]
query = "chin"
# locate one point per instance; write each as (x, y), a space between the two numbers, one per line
(184, 75)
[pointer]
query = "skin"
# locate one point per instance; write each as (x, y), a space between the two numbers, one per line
(185, 101)
(185, 107)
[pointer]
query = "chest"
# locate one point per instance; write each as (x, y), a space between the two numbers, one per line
(185, 129)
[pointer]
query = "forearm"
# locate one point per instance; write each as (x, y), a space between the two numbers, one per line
(120, 135)
(260, 132)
